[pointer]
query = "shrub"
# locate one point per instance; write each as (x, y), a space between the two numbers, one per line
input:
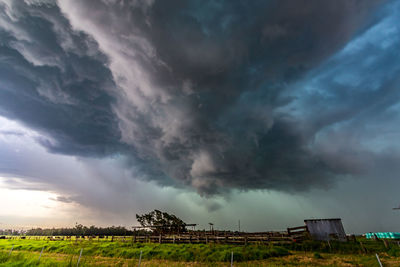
(317, 255)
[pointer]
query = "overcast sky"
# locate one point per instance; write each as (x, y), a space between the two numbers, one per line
(267, 112)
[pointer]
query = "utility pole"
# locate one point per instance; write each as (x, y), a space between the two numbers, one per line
(239, 226)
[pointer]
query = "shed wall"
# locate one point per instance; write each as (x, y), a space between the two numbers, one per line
(321, 229)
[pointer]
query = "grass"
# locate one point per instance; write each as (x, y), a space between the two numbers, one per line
(127, 250)
(20, 258)
(106, 253)
(361, 246)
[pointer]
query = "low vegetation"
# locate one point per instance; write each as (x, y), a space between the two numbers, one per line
(25, 258)
(106, 253)
(174, 252)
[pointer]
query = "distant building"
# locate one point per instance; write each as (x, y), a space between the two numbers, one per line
(326, 229)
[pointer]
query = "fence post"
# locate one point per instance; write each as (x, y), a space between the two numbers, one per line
(385, 243)
(79, 259)
(41, 253)
(232, 259)
(379, 260)
(140, 258)
(363, 248)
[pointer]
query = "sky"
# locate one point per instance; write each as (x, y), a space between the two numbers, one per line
(268, 112)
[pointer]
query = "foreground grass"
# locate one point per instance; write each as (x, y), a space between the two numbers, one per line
(106, 253)
(172, 252)
(296, 259)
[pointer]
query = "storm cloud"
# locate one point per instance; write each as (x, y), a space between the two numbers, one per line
(210, 95)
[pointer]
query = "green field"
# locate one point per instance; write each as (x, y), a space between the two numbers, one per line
(117, 253)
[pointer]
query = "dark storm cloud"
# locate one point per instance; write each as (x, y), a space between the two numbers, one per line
(205, 93)
(55, 85)
(63, 199)
(15, 133)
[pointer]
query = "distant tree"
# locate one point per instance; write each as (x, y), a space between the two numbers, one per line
(161, 222)
(80, 230)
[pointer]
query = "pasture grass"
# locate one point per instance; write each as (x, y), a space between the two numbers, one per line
(127, 250)
(361, 246)
(25, 258)
(105, 253)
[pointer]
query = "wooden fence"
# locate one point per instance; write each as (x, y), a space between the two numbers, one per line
(192, 237)
(242, 239)
(298, 233)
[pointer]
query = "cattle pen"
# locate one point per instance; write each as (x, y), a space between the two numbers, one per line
(295, 234)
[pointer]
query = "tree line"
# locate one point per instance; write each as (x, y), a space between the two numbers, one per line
(156, 222)
(81, 230)
(78, 230)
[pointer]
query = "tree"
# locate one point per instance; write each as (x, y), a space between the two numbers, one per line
(161, 222)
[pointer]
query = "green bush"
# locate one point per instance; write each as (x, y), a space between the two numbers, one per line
(317, 255)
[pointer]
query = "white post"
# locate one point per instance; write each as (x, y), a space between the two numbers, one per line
(79, 259)
(9, 254)
(379, 261)
(41, 253)
(140, 258)
(232, 259)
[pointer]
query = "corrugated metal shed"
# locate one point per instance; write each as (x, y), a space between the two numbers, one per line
(326, 229)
